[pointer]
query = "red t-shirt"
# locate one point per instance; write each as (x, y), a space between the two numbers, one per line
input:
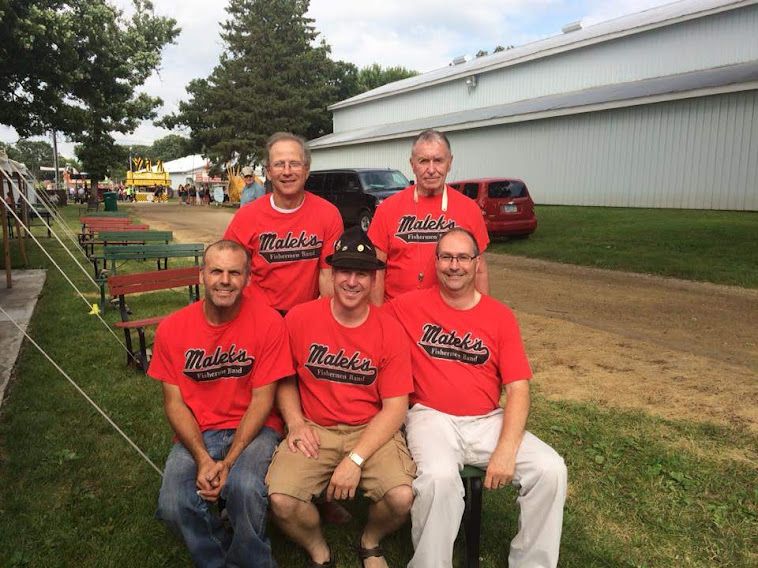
(217, 367)
(460, 358)
(344, 373)
(288, 249)
(408, 231)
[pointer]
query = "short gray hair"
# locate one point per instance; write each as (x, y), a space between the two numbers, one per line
(431, 135)
(226, 244)
(288, 136)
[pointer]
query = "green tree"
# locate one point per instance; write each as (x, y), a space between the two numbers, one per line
(74, 66)
(34, 154)
(374, 76)
(274, 75)
(170, 148)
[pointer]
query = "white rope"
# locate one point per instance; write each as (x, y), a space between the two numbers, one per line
(30, 206)
(83, 297)
(85, 395)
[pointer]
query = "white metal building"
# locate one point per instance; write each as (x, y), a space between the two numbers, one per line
(187, 167)
(655, 109)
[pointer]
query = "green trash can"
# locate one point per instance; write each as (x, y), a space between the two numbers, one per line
(111, 200)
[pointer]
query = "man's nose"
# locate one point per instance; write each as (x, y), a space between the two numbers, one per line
(352, 279)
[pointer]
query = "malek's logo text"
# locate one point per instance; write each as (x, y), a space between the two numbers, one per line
(229, 364)
(338, 367)
(451, 346)
(411, 229)
(289, 247)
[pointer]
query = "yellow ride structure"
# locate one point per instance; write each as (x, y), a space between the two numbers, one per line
(146, 174)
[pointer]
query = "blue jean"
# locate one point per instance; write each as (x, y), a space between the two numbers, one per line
(198, 522)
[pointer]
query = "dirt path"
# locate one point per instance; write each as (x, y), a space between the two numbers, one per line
(673, 348)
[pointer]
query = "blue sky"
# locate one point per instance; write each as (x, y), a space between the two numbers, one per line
(417, 34)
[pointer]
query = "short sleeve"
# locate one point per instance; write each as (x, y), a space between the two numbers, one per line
(275, 358)
(334, 230)
(512, 359)
(161, 366)
(235, 230)
(377, 230)
(396, 377)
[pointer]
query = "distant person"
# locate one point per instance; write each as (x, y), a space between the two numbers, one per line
(466, 349)
(219, 384)
(252, 190)
(406, 225)
(344, 410)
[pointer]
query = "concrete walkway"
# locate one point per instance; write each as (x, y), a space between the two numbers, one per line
(19, 303)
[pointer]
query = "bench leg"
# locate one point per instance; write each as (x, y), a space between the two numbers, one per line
(472, 520)
(142, 356)
(129, 349)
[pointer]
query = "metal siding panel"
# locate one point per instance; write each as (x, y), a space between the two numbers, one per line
(714, 41)
(696, 153)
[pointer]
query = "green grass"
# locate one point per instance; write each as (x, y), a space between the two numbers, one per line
(710, 246)
(643, 491)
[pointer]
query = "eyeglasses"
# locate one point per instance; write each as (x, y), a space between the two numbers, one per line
(281, 165)
(463, 259)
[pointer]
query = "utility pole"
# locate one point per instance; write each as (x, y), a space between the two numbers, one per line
(55, 160)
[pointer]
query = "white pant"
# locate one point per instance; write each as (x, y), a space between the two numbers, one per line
(441, 444)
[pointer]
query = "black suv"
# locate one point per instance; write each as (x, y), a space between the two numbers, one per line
(356, 192)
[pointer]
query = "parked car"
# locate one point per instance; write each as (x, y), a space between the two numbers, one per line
(507, 208)
(356, 192)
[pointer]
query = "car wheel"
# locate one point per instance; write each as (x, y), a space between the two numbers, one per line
(364, 220)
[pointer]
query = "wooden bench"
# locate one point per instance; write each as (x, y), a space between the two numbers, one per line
(129, 237)
(472, 513)
(122, 286)
(92, 226)
(106, 214)
(116, 253)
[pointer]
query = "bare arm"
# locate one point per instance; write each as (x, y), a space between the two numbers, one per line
(377, 293)
(257, 411)
(378, 432)
(502, 464)
(482, 278)
(325, 287)
(185, 426)
(300, 436)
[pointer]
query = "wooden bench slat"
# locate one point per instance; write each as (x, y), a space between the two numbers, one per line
(149, 281)
(139, 323)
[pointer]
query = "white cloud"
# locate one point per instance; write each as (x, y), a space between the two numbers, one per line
(417, 34)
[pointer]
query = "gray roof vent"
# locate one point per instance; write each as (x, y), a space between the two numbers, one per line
(572, 27)
(458, 60)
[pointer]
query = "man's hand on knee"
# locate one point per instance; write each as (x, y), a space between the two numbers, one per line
(500, 470)
(344, 481)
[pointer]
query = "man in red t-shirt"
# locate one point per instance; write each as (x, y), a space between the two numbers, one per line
(466, 347)
(407, 225)
(219, 383)
(344, 412)
(289, 232)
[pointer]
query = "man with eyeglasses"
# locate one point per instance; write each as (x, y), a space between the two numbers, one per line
(289, 232)
(252, 190)
(406, 226)
(467, 348)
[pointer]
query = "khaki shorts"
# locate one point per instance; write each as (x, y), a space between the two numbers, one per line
(295, 475)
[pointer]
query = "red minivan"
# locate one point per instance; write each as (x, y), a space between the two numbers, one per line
(507, 208)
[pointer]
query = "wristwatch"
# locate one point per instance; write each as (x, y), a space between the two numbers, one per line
(356, 459)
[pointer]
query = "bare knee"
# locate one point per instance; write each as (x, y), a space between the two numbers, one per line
(399, 499)
(283, 506)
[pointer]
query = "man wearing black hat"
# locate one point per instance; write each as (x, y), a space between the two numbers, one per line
(344, 412)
